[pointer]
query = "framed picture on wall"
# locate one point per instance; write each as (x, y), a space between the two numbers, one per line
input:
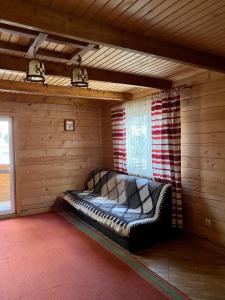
(69, 125)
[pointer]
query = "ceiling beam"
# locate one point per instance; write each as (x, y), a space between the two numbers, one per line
(28, 88)
(41, 53)
(33, 16)
(32, 34)
(80, 53)
(35, 45)
(13, 63)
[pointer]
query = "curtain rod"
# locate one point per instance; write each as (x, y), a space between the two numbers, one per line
(175, 88)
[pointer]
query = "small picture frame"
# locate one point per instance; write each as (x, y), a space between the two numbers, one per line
(69, 125)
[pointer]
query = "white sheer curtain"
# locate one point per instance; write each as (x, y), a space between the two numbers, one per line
(138, 137)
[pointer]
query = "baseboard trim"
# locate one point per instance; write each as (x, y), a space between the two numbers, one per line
(8, 216)
(36, 211)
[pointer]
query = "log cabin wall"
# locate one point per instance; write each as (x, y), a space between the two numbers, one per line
(49, 160)
(107, 137)
(203, 154)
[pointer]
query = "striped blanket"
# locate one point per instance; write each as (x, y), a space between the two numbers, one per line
(119, 201)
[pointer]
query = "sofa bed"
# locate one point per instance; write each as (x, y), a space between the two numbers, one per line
(133, 211)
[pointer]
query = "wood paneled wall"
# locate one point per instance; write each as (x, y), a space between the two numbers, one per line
(107, 136)
(49, 160)
(203, 155)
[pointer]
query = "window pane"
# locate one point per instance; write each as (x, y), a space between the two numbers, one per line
(138, 135)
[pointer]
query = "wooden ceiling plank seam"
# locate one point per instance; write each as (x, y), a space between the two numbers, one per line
(131, 68)
(102, 7)
(110, 59)
(202, 24)
(169, 12)
(141, 13)
(11, 76)
(14, 39)
(135, 62)
(19, 77)
(64, 81)
(118, 59)
(146, 71)
(65, 41)
(106, 10)
(158, 73)
(132, 11)
(216, 30)
(152, 66)
(122, 61)
(145, 17)
(100, 56)
(6, 76)
(157, 12)
(94, 8)
(92, 56)
(182, 17)
(198, 35)
(218, 41)
(53, 81)
(60, 48)
(168, 70)
(144, 11)
(88, 55)
(189, 26)
(82, 6)
(174, 16)
(117, 16)
(90, 7)
(117, 10)
(187, 17)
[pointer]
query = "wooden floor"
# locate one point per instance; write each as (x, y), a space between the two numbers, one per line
(194, 269)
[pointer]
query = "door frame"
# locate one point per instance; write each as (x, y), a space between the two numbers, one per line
(11, 169)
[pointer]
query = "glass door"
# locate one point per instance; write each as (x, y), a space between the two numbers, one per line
(7, 199)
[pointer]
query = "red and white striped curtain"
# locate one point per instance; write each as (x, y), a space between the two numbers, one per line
(119, 138)
(166, 148)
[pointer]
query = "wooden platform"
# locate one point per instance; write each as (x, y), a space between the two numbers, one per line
(192, 268)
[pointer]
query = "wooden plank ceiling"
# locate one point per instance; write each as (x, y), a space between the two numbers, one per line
(196, 24)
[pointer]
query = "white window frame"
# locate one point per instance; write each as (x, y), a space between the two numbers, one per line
(11, 167)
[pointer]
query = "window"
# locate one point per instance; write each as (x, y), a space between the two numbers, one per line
(138, 137)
